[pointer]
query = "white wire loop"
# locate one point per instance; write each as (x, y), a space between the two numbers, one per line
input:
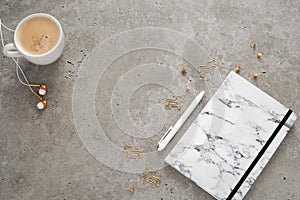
(18, 67)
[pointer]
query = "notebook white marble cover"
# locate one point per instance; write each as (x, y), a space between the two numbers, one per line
(232, 139)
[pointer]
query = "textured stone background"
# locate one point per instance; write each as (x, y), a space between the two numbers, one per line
(41, 154)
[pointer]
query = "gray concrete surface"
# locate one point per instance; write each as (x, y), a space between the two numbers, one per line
(41, 154)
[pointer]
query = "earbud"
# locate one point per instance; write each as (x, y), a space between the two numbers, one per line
(43, 90)
(42, 104)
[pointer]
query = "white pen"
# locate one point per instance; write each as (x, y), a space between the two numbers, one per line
(167, 137)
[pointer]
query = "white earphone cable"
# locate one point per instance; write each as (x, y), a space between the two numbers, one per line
(9, 29)
(1, 33)
(18, 67)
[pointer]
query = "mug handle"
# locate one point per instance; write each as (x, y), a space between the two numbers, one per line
(10, 50)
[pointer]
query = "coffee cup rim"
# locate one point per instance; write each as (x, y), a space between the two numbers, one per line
(43, 15)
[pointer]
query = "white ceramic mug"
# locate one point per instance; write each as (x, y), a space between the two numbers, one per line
(16, 50)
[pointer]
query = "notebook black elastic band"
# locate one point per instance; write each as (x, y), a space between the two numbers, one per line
(260, 154)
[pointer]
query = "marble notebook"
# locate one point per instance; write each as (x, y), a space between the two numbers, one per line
(232, 139)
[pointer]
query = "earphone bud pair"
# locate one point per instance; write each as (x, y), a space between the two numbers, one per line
(42, 91)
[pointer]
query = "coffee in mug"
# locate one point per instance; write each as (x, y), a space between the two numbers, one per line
(38, 35)
(39, 38)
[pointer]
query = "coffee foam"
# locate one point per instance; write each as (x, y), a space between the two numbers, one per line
(38, 35)
(40, 43)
